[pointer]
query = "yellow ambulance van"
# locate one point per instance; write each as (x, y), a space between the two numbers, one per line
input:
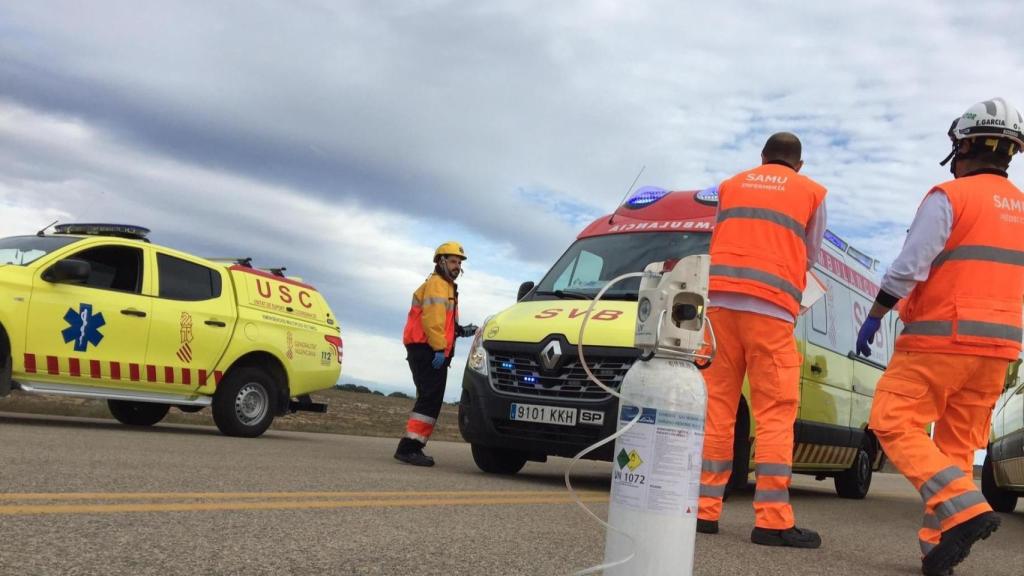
(97, 311)
(525, 395)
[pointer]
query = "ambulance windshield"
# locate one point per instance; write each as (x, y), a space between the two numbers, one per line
(21, 250)
(591, 262)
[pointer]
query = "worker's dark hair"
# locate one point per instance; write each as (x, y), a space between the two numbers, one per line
(992, 151)
(782, 147)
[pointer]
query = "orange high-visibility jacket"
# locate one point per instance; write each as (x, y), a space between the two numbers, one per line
(433, 314)
(971, 301)
(759, 247)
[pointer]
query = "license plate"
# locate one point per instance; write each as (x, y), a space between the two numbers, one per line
(543, 414)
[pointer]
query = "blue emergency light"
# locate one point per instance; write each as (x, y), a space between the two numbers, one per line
(707, 196)
(646, 196)
(836, 241)
(508, 365)
(92, 229)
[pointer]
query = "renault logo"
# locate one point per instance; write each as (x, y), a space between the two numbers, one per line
(551, 354)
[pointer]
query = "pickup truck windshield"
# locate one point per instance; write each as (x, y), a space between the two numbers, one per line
(22, 250)
(591, 262)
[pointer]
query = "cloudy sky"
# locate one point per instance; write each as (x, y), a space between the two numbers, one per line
(346, 139)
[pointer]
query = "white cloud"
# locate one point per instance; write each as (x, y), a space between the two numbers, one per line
(345, 140)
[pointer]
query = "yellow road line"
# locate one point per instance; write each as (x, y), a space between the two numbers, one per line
(12, 510)
(34, 496)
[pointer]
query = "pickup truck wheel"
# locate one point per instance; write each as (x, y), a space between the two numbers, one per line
(1000, 500)
(855, 481)
(137, 413)
(244, 403)
(498, 460)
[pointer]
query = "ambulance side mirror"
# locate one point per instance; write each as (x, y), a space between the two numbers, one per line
(1011, 375)
(68, 271)
(524, 289)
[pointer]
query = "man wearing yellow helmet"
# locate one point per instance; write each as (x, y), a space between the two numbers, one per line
(429, 338)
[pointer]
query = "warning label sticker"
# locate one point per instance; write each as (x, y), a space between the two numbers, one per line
(658, 462)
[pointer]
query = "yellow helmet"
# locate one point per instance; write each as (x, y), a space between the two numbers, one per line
(453, 248)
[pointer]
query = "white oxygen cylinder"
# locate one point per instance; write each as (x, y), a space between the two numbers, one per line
(657, 463)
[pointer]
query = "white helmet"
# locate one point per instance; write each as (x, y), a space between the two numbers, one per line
(996, 119)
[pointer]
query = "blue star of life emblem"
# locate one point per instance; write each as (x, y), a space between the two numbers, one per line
(83, 327)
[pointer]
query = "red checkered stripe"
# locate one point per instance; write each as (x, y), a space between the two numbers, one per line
(122, 371)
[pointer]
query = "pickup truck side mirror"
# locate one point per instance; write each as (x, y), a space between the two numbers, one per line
(69, 271)
(524, 289)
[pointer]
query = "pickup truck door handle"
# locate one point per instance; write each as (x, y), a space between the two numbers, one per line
(133, 312)
(216, 323)
(815, 369)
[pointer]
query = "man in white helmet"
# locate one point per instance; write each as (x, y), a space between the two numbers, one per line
(961, 273)
(429, 338)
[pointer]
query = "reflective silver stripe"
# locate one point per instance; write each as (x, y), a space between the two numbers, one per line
(422, 418)
(773, 216)
(931, 522)
(982, 253)
(759, 276)
(940, 480)
(959, 503)
(716, 466)
(773, 470)
(926, 547)
(438, 300)
(990, 330)
(929, 328)
(416, 301)
(965, 327)
(771, 496)
(708, 491)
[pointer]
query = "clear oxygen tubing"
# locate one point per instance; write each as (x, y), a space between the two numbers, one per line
(593, 378)
(612, 438)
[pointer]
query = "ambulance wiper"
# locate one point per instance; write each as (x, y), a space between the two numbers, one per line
(565, 294)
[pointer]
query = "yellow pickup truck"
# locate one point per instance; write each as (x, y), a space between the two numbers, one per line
(97, 311)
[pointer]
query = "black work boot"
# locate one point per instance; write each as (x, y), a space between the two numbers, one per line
(707, 526)
(417, 458)
(956, 544)
(411, 452)
(793, 537)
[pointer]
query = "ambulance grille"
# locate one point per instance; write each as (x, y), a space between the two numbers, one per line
(520, 373)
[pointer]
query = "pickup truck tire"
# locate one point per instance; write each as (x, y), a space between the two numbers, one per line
(498, 460)
(1000, 500)
(855, 481)
(137, 413)
(244, 402)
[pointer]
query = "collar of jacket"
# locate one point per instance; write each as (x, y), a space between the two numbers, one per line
(781, 163)
(992, 171)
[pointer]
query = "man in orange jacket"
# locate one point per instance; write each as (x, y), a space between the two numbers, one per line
(961, 273)
(770, 224)
(429, 338)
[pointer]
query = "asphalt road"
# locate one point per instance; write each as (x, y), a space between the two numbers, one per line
(93, 497)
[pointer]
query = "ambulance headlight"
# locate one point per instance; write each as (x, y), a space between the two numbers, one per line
(477, 361)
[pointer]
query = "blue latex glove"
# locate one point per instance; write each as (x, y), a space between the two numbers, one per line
(867, 335)
(438, 360)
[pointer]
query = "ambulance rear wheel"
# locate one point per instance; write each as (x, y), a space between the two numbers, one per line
(498, 460)
(855, 481)
(1000, 500)
(244, 402)
(137, 413)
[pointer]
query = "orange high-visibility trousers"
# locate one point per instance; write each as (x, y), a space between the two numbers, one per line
(764, 349)
(957, 392)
